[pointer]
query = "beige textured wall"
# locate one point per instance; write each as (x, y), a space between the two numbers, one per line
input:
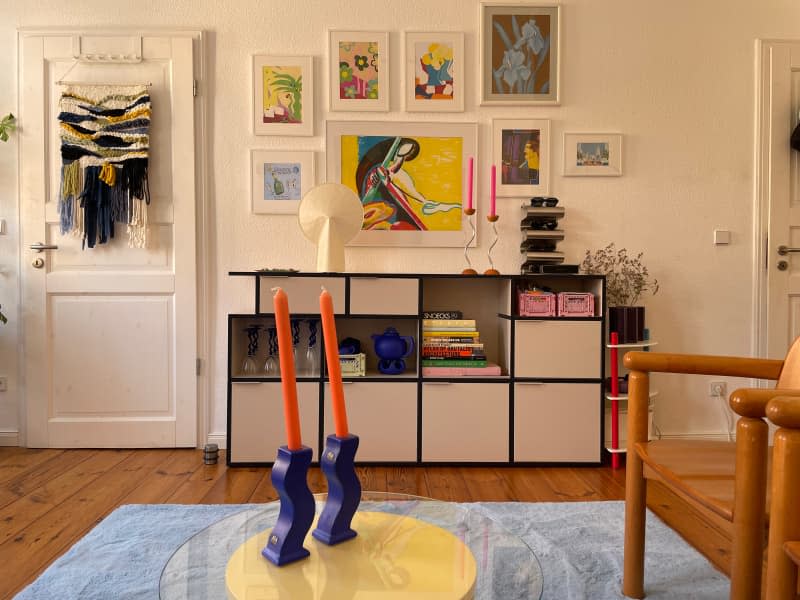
(677, 79)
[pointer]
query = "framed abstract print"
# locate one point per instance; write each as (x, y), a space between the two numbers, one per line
(279, 179)
(359, 70)
(283, 95)
(434, 72)
(522, 156)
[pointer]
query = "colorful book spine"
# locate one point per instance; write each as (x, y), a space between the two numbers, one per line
(442, 314)
(440, 329)
(449, 334)
(439, 323)
(452, 362)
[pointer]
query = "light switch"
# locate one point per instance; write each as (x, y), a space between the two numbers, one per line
(722, 237)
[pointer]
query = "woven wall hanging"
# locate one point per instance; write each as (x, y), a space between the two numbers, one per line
(105, 139)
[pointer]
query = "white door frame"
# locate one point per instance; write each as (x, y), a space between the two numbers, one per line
(762, 193)
(202, 211)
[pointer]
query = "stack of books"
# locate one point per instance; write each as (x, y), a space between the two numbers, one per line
(452, 346)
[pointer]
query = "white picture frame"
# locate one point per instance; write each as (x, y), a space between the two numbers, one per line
(292, 170)
(428, 87)
(520, 53)
(359, 70)
(276, 78)
(603, 152)
(436, 169)
(513, 143)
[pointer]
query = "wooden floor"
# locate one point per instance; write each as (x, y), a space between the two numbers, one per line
(50, 498)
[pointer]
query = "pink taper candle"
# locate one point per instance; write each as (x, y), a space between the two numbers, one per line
(332, 360)
(469, 183)
(492, 200)
(291, 415)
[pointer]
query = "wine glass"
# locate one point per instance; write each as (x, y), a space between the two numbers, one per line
(295, 342)
(312, 352)
(249, 367)
(271, 366)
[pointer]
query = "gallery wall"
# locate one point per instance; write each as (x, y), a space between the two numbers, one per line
(676, 79)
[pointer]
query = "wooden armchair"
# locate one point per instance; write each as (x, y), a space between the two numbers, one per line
(728, 478)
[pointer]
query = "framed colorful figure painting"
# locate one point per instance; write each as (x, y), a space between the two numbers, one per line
(411, 178)
(283, 95)
(593, 154)
(434, 72)
(359, 70)
(522, 156)
(519, 53)
(279, 179)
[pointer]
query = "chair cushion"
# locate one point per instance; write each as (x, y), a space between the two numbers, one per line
(700, 469)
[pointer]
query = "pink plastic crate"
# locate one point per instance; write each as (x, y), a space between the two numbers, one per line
(575, 304)
(536, 304)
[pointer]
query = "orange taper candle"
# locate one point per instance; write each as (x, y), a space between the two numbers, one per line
(291, 415)
(332, 359)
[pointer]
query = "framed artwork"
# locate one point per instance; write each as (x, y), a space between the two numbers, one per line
(279, 180)
(283, 95)
(593, 154)
(359, 70)
(519, 53)
(434, 72)
(522, 156)
(410, 178)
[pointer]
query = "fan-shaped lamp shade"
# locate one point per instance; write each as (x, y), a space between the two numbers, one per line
(330, 215)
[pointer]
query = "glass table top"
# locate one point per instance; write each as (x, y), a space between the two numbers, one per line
(506, 566)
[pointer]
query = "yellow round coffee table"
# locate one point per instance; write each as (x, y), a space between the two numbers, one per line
(393, 556)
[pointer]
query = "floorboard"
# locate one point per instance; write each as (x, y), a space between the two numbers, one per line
(49, 499)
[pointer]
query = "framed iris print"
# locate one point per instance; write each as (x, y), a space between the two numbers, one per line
(410, 178)
(519, 53)
(434, 71)
(522, 156)
(279, 179)
(283, 95)
(359, 70)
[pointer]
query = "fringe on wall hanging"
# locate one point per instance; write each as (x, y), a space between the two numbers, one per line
(105, 139)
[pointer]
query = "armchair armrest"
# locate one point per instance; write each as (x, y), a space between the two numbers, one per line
(784, 410)
(697, 364)
(752, 402)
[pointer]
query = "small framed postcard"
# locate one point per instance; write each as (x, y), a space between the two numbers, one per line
(359, 70)
(434, 71)
(522, 156)
(283, 95)
(279, 180)
(593, 154)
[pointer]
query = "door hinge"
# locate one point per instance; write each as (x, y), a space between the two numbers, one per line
(199, 365)
(194, 88)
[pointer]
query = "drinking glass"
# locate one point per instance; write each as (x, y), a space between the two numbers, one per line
(249, 367)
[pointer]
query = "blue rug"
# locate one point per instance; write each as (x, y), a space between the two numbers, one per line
(578, 546)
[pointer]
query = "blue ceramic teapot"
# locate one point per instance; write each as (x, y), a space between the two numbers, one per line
(392, 348)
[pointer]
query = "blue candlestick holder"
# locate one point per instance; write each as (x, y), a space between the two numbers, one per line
(344, 490)
(285, 542)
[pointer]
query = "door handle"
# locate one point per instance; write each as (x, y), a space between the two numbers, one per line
(784, 250)
(39, 246)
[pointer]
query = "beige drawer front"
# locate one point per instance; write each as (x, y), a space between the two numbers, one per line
(465, 422)
(257, 426)
(557, 422)
(384, 417)
(558, 349)
(303, 293)
(384, 296)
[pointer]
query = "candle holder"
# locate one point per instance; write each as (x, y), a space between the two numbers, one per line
(491, 270)
(469, 212)
(285, 542)
(344, 490)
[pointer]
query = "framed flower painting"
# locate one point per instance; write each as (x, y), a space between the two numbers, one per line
(283, 95)
(434, 71)
(519, 53)
(359, 70)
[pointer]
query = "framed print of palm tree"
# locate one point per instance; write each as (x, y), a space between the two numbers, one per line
(519, 53)
(283, 95)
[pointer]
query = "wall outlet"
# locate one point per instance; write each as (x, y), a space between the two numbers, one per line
(3, 383)
(718, 389)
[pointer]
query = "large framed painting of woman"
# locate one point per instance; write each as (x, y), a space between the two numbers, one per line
(411, 178)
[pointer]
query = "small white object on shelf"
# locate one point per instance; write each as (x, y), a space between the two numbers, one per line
(640, 344)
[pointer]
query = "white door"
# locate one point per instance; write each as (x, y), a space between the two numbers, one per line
(109, 332)
(778, 193)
